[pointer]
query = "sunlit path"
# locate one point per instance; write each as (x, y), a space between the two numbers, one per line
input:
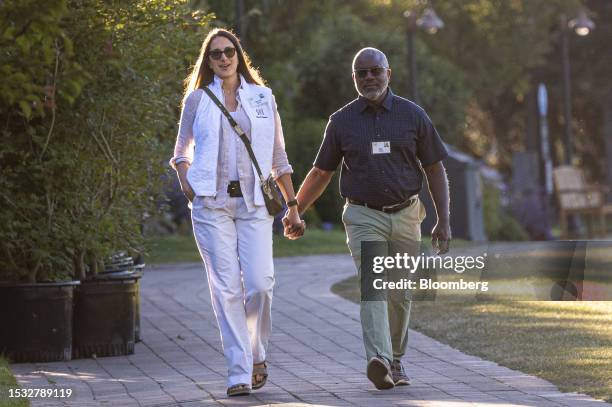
(316, 354)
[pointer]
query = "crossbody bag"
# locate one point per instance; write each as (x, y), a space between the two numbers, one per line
(271, 194)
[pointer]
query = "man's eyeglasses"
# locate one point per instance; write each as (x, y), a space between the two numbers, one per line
(216, 53)
(363, 73)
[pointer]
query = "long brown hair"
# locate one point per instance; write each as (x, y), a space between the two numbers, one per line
(202, 75)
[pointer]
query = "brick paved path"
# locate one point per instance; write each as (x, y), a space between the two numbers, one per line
(316, 354)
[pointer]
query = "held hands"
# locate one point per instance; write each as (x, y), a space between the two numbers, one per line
(294, 226)
(440, 237)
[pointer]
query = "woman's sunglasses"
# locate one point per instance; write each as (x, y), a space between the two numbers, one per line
(363, 73)
(216, 53)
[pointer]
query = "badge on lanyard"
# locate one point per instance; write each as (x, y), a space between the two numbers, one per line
(381, 147)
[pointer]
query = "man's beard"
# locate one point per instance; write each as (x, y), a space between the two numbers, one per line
(373, 94)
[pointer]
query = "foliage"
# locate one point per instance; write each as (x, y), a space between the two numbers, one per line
(476, 77)
(8, 381)
(79, 174)
(305, 51)
(89, 91)
(499, 224)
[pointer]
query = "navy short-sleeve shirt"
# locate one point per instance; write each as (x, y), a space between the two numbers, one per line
(380, 149)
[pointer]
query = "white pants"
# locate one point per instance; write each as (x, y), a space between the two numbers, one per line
(236, 247)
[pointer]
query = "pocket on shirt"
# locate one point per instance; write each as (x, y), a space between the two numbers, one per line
(404, 143)
(357, 155)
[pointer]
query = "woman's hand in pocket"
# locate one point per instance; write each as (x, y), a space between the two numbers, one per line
(181, 169)
(188, 192)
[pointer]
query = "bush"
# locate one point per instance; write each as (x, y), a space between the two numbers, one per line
(303, 139)
(499, 224)
(86, 91)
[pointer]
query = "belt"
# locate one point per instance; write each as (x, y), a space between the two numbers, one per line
(233, 189)
(386, 208)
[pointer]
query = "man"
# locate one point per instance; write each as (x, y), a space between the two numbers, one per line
(383, 141)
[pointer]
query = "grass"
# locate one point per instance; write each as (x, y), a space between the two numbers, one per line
(182, 248)
(566, 343)
(7, 380)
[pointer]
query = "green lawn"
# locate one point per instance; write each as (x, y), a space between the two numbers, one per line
(182, 248)
(8, 381)
(567, 343)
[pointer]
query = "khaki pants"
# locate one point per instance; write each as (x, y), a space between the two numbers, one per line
(384, 323)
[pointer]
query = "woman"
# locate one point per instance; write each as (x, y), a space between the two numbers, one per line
(232, 227)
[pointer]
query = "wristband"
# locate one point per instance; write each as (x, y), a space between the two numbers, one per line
(292, 202)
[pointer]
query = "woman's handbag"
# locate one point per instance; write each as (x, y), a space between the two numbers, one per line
(271, 194)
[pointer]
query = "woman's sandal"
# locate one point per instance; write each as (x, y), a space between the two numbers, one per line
(240, 389)
(261, 370)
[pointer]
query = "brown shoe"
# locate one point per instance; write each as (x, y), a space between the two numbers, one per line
(398, 374)
(379, 373)
(260, 375)
(240, 389)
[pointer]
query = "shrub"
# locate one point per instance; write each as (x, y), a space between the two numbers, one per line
(87, 91)
(499, 224)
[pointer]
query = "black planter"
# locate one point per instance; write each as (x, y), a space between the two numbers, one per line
(121, 265)
(139, 270)
(105, 315)
(36, 321)
(132, 271)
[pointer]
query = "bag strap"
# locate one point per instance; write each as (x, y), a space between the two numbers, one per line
(237, 129)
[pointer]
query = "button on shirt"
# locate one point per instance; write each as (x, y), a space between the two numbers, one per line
(230, 163)
(374, 172)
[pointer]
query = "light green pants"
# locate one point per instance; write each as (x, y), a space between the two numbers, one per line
(384, 323)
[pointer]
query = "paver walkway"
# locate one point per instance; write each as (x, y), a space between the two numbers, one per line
(316, 354)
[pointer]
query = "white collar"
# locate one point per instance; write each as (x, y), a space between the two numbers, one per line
(218, 82)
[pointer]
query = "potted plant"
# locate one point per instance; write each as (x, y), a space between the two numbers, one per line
(36, 273)
(84, 101)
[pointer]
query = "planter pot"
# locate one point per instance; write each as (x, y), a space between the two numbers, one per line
(104, 316)
(36, 321)
(135, 271)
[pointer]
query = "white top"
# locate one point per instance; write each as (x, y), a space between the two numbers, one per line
(230, 135)
(233, 162)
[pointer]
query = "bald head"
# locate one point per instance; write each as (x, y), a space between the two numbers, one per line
(371, 74)
(370, 57)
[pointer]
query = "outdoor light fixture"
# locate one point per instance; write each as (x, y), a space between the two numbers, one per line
(431, 23)
(582, 24)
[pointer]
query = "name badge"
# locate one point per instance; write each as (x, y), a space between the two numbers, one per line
(259, 105)
(381, 147)
(257, 100)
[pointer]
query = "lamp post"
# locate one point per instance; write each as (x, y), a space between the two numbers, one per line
(239, 20)
(582, 25)
(431, 23)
